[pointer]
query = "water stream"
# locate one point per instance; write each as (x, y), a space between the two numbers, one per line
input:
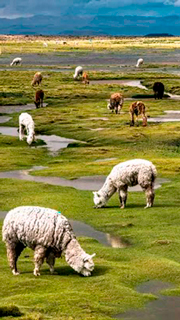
(164, 308)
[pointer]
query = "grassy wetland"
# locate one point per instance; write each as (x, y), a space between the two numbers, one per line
(80, 112)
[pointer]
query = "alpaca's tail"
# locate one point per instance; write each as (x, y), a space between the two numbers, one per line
(154, 172)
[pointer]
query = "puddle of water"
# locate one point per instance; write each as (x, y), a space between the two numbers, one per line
(106, 159)
(165, 308)
(53, 143)
(4, 119)
(82, 229)
(84, 183)
(153, 286)
(131, 83)
(170, 116)
(102, 118)
(11, 109)
(97, 129)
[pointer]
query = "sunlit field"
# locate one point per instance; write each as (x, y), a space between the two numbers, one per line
(79, 111)
(18, 44)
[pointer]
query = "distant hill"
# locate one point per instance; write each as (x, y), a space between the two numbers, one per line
(92, 25)
(155, 35)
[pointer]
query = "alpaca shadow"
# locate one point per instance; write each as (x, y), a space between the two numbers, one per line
(68, 271)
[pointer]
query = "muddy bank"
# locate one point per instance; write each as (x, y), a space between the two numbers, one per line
(91, 183)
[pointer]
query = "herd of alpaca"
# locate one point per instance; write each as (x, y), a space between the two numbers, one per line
(47, 231)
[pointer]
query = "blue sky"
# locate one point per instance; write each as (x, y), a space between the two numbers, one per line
(26, 8)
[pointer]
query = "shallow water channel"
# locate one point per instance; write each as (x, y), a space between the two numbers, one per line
(164, 308)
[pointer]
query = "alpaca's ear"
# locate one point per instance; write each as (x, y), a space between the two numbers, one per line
(94, 192)
(88, 257)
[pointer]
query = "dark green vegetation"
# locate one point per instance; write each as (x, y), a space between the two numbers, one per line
(77, 111)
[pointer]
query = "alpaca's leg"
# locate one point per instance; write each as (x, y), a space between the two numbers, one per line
(13, 252)
(132, 118)
(39, 255)
(41, 103)
(50, 259)
(119, 108)
(21, 132)
(149, 191)
(123, 195)
(144, 119)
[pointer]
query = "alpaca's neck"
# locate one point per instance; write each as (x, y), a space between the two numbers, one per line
(108, 188)
(30, 129)
(74, 255)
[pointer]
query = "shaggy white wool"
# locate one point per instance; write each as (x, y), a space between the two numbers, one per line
(26, 121)
(16, 61)
(78, 72)
(47, 232)
(139, 62)
(125, 174)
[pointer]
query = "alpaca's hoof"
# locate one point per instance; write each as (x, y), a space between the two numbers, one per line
(36, 273)
(147, 206)
(15, 273)
(122, 207)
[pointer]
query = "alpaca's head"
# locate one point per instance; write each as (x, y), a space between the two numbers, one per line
(110, 106)
(37, 103)
(30, 137)
(88, 265)
(78, 259)
(99, 200)
(74, 76)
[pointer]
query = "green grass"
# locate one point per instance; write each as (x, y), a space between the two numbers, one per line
(153, 233)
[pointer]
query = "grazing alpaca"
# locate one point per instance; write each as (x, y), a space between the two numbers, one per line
(26, 123)
(158, 89)
(16, 61)
(124, 175)
(139, 62)
(116, 102)
(37, 79)
(78, 72)
(39, 96)
(138, 108)
(85, 78)
(49, 234)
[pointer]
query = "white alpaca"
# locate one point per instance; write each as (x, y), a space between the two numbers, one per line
(139, 62)
(26, 123)
(124, 175)
(45, 45)
(16, 61)
(49, 234)
(78, 72)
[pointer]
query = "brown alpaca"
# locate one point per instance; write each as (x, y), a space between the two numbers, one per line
(138, 108)
(85, 78)
(39, 96)
(116, 102)
(37, 79)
